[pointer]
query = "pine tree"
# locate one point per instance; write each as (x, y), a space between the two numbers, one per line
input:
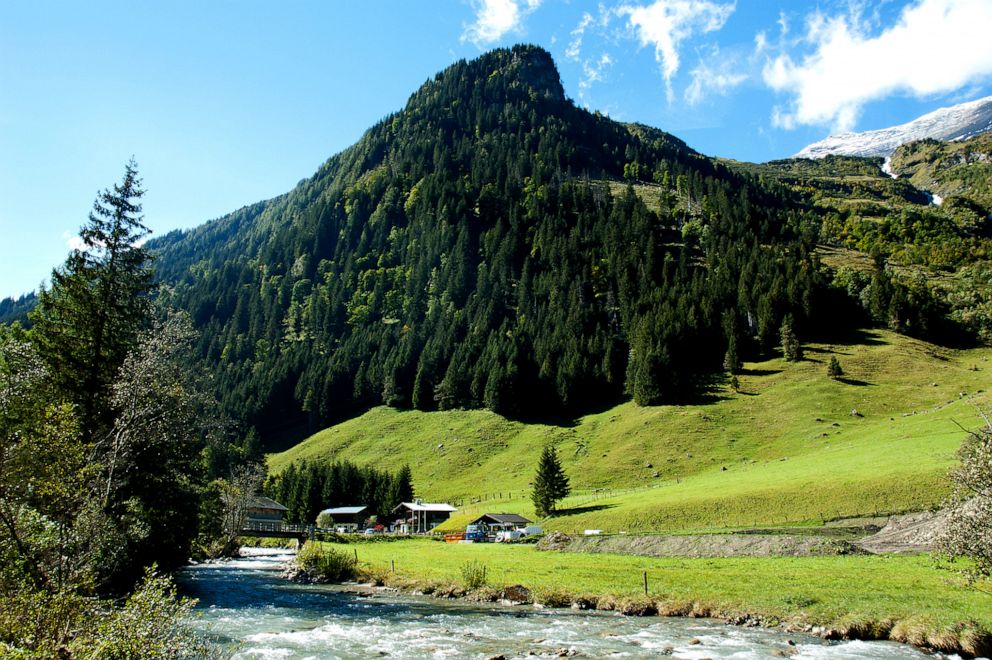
(90, 318)
(550, 483)
(834, 369)
(791, 348)
(402, 488)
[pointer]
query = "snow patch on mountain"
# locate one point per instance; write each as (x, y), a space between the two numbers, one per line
(957, 122)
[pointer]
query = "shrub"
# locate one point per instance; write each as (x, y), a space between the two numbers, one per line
(326, 564)
(153, 623)
(834, 369)
(473, 574)
(969, 526)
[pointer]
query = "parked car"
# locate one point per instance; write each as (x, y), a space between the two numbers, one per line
(475, 533)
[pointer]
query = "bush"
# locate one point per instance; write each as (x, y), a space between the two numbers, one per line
(153, 623)
(834, 369)
(329, 565)
(473, 574)
(969, 526)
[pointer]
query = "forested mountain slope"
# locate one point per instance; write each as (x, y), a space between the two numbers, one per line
(468, 252)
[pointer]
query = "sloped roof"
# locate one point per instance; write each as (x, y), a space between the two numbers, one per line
(426, 506)
(344, 510)
(506, 518)
(259, 502)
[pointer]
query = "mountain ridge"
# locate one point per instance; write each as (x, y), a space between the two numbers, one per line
(489, 245)
(949, 123)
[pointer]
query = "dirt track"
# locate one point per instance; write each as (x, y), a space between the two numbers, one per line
(909, 533)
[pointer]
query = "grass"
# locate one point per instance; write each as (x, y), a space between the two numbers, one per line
(907, 597)
(785, 450)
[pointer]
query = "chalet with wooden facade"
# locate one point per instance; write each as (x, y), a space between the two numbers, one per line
(266, 513)
(419, 517)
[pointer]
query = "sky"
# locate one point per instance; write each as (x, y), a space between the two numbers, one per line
(226, 103)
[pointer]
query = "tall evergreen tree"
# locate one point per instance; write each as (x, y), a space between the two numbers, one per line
(90, 317)
(791, 348)
(550, 483)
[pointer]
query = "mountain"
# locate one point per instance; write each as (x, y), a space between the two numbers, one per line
(952, 123)
(959, 172)
(493, 245)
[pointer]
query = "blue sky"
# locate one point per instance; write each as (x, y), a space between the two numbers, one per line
(226, 103)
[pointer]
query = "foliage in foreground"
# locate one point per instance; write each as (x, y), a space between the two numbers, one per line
(152, 623)
(969, 527)
(101, 471)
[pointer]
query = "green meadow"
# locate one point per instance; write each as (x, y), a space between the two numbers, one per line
(889, 597)
(792, 446)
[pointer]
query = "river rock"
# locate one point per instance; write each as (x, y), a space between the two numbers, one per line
(515, 594)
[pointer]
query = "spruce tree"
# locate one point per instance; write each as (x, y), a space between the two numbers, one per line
(90, 317)
(834, 369)
(550, 483)
(791, 348)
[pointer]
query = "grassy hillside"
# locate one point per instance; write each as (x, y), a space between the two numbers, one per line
(787, 448)
(959, 168)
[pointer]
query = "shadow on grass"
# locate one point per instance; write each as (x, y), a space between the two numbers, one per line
(855, 382)
(760, 372)
(583, 509)
(856, 337)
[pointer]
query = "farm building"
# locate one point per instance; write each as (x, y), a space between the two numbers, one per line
(349, 517)
(502, 522)
(418, 517)
(265, 511)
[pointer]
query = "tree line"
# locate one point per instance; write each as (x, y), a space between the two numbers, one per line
(308, 487)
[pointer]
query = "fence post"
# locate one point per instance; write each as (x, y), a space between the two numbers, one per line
(356, 555)
(391, 561)
(645, 583)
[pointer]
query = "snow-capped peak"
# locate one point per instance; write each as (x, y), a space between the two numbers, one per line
(954, 123)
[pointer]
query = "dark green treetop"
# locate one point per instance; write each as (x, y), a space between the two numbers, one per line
(550, 483)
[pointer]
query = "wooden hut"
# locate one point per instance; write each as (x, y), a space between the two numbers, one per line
(502, 522)
(266, 513)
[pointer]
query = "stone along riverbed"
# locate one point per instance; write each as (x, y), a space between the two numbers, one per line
(249, 610)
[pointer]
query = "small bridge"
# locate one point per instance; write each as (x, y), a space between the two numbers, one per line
(276, 530)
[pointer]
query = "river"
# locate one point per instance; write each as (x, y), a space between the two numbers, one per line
(247, 608)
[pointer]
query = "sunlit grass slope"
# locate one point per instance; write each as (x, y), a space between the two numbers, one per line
(792, 446)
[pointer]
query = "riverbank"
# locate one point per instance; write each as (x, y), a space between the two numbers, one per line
(249, 611)
(900, 598)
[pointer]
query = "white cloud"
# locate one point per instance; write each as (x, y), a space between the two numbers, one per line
(760, 43)
(599, 22)
(575, 45)
(495, 18)
(594, 71)
(936, 46)
(713, 75)
(664, 24)
(73, 240)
